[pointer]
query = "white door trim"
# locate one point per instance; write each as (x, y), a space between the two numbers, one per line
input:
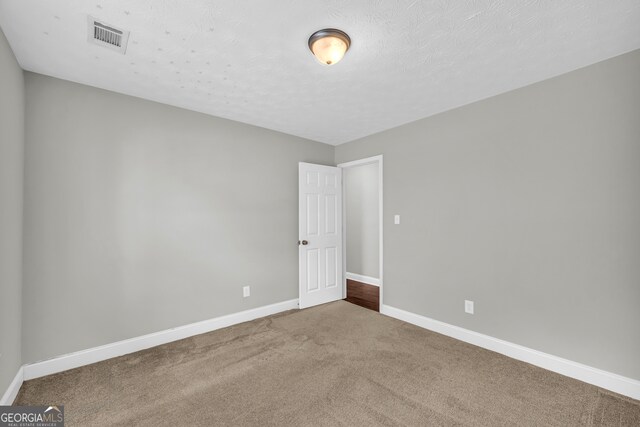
(366, 161)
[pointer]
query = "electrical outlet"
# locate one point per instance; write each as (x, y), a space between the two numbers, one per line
(468, 306)
(396, 219)
(246, 291)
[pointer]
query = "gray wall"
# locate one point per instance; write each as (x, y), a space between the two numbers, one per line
(527, 203)
(142, 217)
(11, 173)
(362, 219)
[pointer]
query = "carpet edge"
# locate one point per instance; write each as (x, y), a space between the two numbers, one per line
(607, 380)
(131, 345)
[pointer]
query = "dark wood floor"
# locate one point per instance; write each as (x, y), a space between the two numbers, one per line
(364, 295)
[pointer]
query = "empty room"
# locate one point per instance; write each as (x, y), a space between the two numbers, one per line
(327, 213)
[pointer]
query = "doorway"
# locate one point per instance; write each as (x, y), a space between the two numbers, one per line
(362, 232)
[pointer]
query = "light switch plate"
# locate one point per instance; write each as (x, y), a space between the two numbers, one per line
(396, 219)
(246, 291)
(468, 306)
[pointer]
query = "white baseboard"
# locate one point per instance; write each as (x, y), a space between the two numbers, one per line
(11, 393)
(120, 348)
(364, 279)
(607, 380)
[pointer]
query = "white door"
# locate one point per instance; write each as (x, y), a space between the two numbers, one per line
(320, 234)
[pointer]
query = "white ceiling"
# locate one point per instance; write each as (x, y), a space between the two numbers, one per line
(247, 60)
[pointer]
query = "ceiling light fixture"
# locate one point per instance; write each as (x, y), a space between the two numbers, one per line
(329, 45)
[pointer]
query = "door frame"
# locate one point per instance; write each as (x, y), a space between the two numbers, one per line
(361, 162)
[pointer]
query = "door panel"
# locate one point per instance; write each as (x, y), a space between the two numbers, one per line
(320, 229)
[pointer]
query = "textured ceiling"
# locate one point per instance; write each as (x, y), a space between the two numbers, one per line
(247, 60)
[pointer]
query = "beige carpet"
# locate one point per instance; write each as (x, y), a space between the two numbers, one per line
(332, 365)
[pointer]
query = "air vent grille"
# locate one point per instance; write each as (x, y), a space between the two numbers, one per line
(106, 35)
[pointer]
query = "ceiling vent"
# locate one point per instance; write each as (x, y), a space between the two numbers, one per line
(107, 35)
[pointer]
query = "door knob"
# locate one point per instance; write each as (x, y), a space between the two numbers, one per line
(304, 242)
